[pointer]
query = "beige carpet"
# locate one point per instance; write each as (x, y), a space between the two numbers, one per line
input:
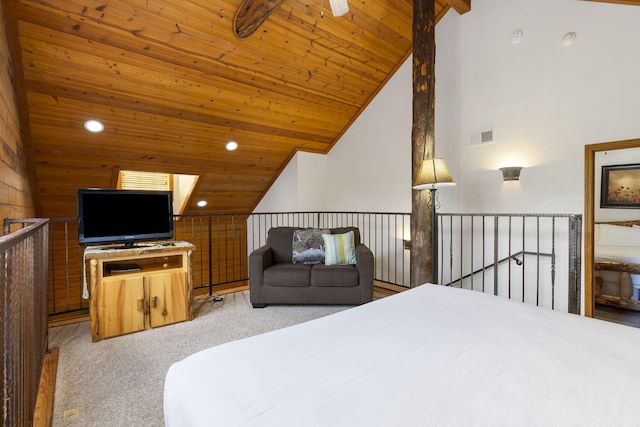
(119, 381)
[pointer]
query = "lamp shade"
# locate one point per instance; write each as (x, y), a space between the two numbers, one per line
(433, 174)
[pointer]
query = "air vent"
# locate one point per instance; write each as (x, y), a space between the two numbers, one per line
(481, 138)
(487, 136)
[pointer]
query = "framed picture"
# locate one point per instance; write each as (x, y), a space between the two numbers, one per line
(620, 186)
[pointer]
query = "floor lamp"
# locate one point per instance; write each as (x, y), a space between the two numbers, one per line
(433, 174)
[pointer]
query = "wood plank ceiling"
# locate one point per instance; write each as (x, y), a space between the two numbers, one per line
(172, 84)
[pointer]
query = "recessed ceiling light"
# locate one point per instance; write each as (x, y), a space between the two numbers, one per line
(231, 145)
(93, 126)
(202, 203)
(517, 36)
(569, 38)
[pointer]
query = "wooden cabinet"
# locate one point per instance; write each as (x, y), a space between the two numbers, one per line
(139, 288)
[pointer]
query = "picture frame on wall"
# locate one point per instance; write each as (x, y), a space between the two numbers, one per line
(620, 188)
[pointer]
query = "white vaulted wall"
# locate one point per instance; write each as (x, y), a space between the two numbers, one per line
(544, 101)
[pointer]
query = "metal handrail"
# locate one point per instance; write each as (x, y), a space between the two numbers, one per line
(501, 261)
(491, 235)
(23, 306)
(224, 242)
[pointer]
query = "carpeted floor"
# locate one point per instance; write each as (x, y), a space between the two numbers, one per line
(119, 381)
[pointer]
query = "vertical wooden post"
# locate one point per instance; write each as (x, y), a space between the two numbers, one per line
(422, 135)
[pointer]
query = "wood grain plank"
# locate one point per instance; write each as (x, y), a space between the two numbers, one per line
(460, 6)
(43, 414)
(173, 84)
(628, 2)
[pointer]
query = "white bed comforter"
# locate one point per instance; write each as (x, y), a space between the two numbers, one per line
(431, 356)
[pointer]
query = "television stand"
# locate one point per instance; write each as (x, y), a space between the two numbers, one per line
(138, 288)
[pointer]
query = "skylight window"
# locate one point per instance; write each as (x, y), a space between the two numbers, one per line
(181, 185)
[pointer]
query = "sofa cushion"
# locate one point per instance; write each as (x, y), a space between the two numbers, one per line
(308, 246)
(339, 248)
(342, 230)
(287, 274)
(334, 275)
(279, 239)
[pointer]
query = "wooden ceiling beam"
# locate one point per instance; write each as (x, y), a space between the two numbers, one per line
(460, 6)
(251, 14)
(629, 2)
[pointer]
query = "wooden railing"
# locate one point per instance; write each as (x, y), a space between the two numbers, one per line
(23, 280)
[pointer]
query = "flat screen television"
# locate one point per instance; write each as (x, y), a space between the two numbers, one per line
(123, 216)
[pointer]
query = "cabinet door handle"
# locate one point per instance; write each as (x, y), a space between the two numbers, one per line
(154, 302)
(140, 304)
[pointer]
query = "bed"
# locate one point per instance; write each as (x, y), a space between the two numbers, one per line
(617, 264)
(429, 356)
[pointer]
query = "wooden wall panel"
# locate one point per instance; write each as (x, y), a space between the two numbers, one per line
(15, 192)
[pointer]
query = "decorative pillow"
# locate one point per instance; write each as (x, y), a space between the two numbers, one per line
(339, 249)
(308, 246)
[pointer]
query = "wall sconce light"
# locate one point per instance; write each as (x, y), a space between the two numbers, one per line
(511, 173)
(407, 244)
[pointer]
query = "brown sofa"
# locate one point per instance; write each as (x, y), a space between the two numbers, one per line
(275, 279)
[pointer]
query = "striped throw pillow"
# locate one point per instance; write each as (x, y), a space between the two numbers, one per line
(339, 249)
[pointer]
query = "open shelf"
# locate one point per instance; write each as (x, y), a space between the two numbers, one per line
(133, 289)
(144, 265)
